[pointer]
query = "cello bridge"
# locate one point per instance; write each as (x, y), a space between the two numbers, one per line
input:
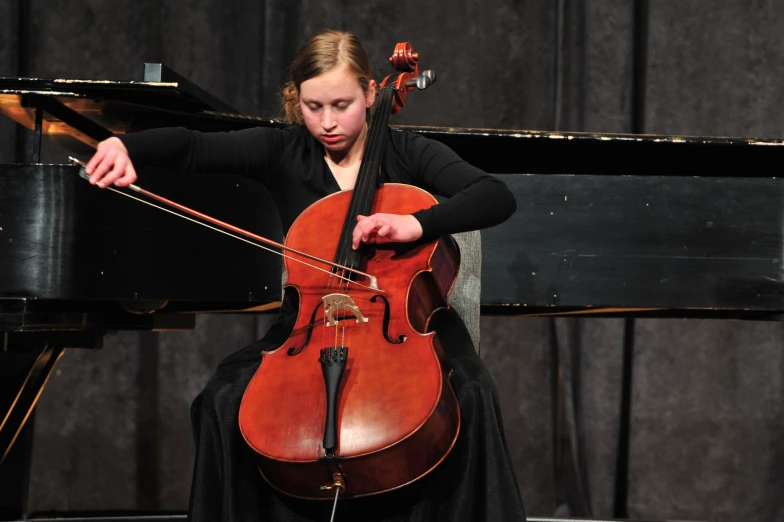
(336, 303)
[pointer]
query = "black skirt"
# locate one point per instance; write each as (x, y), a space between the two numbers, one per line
(475, 482)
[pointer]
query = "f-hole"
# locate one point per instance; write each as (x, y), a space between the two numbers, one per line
(294, 350)
(401, 338)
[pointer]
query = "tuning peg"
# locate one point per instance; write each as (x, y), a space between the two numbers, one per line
(423, 81)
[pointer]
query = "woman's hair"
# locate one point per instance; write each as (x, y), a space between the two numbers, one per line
(319, 54)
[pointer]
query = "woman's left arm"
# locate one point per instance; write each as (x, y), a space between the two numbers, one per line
(476, 199)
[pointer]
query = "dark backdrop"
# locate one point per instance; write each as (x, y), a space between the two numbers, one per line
(705, 441)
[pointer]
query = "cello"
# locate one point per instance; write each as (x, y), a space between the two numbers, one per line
(358, 400)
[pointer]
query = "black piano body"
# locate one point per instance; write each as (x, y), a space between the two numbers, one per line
(608, 225)
(77, 263)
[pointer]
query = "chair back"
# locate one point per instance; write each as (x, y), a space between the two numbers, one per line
(467, 292)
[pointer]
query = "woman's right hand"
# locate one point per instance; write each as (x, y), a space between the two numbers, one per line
(111, 164)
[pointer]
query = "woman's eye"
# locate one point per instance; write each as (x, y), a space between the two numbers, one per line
(342, 106)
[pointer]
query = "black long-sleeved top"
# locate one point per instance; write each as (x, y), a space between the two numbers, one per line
(290, 162)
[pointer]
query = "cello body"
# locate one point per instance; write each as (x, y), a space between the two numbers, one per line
(396, 414)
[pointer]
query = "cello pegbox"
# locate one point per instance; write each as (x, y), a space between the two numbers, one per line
(405, 60)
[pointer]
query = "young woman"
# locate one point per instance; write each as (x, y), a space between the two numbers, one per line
(327, 103)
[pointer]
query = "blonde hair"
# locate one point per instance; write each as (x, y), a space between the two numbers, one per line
(319, 54)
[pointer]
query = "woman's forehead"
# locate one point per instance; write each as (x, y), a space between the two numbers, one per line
(340, 82)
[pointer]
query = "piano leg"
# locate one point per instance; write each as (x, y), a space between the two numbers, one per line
(26, 363)
(15, 475)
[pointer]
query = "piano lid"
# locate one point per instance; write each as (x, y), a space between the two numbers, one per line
(77, 112)
(91, 110)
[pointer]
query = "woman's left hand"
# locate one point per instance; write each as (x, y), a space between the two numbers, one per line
(385, 228)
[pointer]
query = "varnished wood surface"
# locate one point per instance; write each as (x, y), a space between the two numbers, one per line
(397, 416)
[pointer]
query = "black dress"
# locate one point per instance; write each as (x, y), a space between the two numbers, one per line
(476, 482)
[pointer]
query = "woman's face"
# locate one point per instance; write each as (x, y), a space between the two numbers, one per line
(333, 105)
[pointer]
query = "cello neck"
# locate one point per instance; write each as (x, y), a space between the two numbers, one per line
(368, 178)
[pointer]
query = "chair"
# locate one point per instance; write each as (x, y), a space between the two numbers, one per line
(467, 292)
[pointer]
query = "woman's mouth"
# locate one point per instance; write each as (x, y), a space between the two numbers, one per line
(331, 138)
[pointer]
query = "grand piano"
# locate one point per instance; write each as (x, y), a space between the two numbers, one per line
(608, 225)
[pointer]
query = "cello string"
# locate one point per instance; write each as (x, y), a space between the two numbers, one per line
(337, 322)
(342, 254)
(365, 181)
(347, 232)
(377, 140)
(374, 144)
(375, 148)
(372, 160)
(346, 236)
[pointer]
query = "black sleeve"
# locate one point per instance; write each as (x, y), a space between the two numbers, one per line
(253, 152)
(476, 200)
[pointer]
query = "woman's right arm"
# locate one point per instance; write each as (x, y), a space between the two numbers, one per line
(251, 152)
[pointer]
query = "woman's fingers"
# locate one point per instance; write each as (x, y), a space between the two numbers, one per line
(369, 227)
(118, 171)
(94, 161)
(378, 228)
(384, 228)
(384, 231)
(128, 178)
(110, 164)
(363, 230)
(103, 167)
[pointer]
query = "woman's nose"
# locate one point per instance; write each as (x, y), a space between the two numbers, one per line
(327, 119)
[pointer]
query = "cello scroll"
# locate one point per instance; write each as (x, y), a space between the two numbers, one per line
(404, 59)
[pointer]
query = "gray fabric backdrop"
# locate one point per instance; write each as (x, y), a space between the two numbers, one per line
(706, 424)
